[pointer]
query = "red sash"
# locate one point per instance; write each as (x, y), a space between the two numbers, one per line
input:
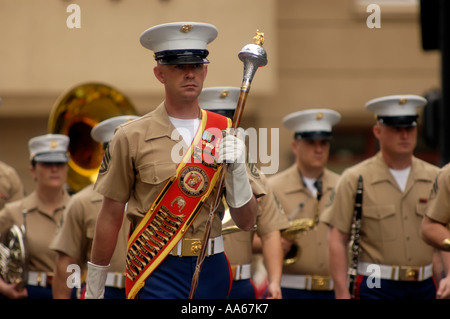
(177, 205)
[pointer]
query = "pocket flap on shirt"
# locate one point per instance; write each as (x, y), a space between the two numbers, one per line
(379, 212)
(157, 173)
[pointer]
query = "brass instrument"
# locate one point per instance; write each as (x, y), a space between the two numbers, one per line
(299, 226)
(226, 230)
(74, 114)
(296, 227)
(234, 229)
(14, 258)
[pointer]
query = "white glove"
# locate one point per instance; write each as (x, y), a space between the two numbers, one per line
(238, 189)
(95, 281)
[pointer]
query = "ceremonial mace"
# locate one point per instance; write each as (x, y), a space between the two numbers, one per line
(253, 56)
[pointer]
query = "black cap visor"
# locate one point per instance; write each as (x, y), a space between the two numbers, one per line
(51, 157)
(399, 121)
(314, 135)
(182, 56)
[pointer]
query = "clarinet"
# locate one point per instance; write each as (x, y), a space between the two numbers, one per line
(356, 225)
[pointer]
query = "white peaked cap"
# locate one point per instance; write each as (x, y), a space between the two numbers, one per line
(396, 105)
(397, 110)
(312, 120)
(179, 42)
(51, 148)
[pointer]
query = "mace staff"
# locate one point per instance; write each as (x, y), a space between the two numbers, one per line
(253, 56)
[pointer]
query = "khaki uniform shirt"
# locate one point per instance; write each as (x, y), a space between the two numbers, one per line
(391, 219)
(270, 217)
(438, 207)
(76, 232)
(138, 165)
(298, 202)
(40, 228)
(11, 187)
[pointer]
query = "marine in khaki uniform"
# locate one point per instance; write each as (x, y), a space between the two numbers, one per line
(144, 155)
(270, 218)
(41, 212)
(73, 241)
(11, 187)
(435, 225)
(302, 190)
(394, 262)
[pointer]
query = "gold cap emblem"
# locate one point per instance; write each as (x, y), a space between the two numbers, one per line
(224, 94)
(403, 100)
(186, 28)
(53, 144)
(319, 116)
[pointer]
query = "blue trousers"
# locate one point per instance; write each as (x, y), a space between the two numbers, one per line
(173, 277)
(391, 289)
(115, 293)
(242, 289)
(37, 292)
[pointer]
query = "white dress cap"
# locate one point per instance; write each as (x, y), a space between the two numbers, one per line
(179, 42)
(104, 131)
(312, 123)
(397, 110)
(50, 148)
(219, 98)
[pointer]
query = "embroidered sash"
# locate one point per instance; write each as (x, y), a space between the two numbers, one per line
(177, 205)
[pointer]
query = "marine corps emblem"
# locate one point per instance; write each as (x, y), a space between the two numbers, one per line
(193, 181)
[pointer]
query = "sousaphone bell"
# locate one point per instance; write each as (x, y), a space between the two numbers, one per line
(74, 114)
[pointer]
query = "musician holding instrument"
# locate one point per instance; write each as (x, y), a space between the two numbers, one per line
(73, 241)
(435, 226)
(302, 190)
(40, 213)
(168, 194)
(393, 261)
(270, 218)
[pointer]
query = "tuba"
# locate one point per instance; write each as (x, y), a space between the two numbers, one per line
(74, 114)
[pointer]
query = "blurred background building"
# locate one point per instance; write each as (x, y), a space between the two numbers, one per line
(321, 53)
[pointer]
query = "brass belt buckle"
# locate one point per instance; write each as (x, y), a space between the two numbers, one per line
(196, 246)
(320, 283)
(191, 247)
(408, 274)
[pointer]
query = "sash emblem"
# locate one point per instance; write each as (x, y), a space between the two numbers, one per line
(193, 181)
